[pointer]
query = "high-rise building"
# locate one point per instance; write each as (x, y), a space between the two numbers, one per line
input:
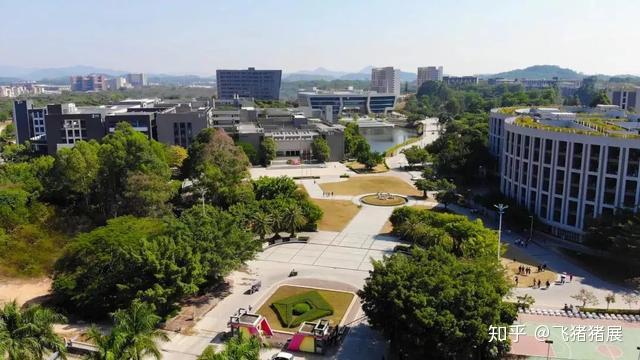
(250, 83)
(137, 80)
(385, 80)
(429, 73)
(88, 83)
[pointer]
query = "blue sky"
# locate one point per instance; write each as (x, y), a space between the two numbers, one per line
(466, 36)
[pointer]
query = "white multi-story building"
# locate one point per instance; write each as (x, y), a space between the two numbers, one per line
(567, 168)
(385, 80)
(429, 73)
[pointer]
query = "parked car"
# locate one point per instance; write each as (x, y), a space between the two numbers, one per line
(282, 356)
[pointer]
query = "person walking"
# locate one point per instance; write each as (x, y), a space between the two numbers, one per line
(548, 284)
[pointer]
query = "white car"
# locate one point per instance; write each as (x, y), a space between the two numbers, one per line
(282, 356)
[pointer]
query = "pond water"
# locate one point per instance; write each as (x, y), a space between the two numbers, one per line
(382, 139)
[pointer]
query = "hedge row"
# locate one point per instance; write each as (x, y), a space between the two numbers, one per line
(284, 308)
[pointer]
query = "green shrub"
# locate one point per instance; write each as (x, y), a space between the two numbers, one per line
(287, 309)
(301, 308)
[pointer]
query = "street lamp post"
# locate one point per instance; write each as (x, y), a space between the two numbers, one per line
(638, 352)
(501, 208)
(548, 342)
(531, 229)
(203, 191)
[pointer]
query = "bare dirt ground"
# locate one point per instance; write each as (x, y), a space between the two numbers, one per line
(24, 290)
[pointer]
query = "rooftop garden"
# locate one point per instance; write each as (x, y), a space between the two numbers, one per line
(511, 110)
(601, 127)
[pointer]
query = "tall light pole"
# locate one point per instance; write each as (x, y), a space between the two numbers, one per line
(202, 192)
(638, 352)
(531, 229)
(501, 208)
(548, 342)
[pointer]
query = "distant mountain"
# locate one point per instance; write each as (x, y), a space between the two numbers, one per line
(310, 75)
(180, 80)
(538, 72)
(54, 73)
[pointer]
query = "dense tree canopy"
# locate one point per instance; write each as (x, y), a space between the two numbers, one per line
(149, 259)
(432, 305)
(219, 167)
(455, 233)
(619, 233)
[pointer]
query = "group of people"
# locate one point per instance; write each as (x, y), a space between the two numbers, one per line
(542, 267)
(327, 194)
(522, 243)
(524, 270)
(537, 284)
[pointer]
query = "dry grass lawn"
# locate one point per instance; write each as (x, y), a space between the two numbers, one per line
(340, 302)
(360, 168)
(371, 184)
(337, 213)
(524, 259)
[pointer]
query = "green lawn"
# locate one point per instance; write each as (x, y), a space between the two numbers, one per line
(338, 300)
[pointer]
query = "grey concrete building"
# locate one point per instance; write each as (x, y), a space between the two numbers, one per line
(250, 83)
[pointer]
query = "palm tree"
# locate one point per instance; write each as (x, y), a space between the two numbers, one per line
(28, 334)
(108, 349)
(293, 219)
(239, 347)
(262, 224)
(133, 337)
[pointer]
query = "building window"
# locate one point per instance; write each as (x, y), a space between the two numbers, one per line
(546, 178)
(633, 164)
(536, 149)
(575, 185)
(594, 158)
(562, 154)
(557, 209)
(559, 184)
(592, 183)
(548, 151)
(613, 158)
(544, 203)
(572, 216)
(576, 162)
(610, 185)
(630, 188)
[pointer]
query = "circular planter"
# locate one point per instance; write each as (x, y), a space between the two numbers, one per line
(375, 200)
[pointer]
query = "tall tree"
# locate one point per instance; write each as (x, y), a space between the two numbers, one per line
(267, 150)
(262, 224)
(125, 152)
(416, 155)
(405, 299)
(219, 166)
(320, 149)
(28, 334)
(76, 171)
(293, 219)
(134, 336)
